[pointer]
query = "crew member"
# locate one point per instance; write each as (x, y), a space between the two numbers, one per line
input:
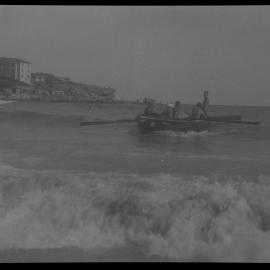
(170, 108)
(205, 103)
(177, 110)
(197, 112)
(149, 109)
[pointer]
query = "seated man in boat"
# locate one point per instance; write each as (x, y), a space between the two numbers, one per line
(168, 111)
(151, 110)
(177, 110)
(198, 112)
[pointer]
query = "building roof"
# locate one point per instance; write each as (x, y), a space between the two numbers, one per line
(7, 59)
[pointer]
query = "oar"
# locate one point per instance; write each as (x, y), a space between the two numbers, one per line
(225, 117)
(207, 120)
(229, 121)
(92, 123)
(235, 122)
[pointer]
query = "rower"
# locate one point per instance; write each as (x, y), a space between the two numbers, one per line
(197, 112)
(149, 109)
(169, 111)
(177, 110)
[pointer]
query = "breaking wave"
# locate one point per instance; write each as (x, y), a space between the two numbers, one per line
(177, 217)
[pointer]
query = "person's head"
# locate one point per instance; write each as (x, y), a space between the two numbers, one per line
(199, 105)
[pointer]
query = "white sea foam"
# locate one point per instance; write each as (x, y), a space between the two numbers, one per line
(184, 217)
(193, 134)
(6, 101)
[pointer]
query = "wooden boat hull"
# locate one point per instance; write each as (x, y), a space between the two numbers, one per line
(152, 124)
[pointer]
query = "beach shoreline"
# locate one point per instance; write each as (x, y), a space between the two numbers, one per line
(73, 254)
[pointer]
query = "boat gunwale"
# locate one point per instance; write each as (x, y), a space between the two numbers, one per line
(172, 120)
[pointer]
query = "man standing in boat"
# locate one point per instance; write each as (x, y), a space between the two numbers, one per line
(205, 103)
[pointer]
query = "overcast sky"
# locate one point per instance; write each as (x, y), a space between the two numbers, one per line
(166, 53)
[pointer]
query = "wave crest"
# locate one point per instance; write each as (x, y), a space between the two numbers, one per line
(184, 217)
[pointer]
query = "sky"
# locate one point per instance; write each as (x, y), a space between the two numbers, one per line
(166, 53)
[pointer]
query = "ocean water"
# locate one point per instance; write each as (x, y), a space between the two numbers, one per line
(106, 193)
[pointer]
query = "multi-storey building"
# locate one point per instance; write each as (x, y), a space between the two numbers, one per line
(16, 69)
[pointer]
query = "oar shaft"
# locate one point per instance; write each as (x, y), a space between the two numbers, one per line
(225, 117)
(92, 123)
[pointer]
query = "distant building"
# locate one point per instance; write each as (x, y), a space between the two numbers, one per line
(38, 77)
(58, 93)
(148, 100)
(16, 69)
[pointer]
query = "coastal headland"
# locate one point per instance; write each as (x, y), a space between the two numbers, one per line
(49, 87)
